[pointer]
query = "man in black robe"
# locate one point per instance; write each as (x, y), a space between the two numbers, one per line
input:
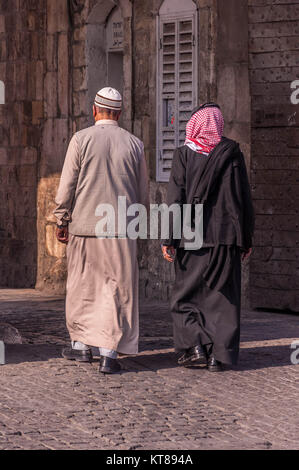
(205, 303)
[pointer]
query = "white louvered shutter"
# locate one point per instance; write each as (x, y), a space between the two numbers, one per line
(177, 85)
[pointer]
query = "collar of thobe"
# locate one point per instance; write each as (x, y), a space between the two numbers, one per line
(110, 122)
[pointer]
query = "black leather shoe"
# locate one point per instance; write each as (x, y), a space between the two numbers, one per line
(193, 356)
(214, 365)
(77, 354)
(109, 365)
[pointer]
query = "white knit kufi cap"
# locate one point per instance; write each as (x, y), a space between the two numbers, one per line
(108, 98)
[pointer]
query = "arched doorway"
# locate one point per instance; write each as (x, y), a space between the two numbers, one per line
(107, 60)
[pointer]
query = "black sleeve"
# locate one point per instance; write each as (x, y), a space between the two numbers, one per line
(243, 188)
(176, 190)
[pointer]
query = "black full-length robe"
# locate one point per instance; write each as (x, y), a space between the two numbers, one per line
(205, 302)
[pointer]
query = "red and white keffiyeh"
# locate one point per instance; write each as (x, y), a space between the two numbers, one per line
(204, 130)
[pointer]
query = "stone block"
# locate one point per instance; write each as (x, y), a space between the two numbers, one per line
(274, 207)
(57, 16)
(239, 131)
(277, 267)
(3, 50)
(51, 52)
(53, 246)
(79, 58)
(137, 128)
(13, 21)
(276, 222)
(54, 144)
(79, 33)
(272, 298)
(272, 75)
(4, 134)
(274, 59)
(47, 189)
(63, 75)
(32, 21)
(39, 80)
(146, 131)
(30, 136)
(37, 111)
(79, 79)
(232, 41)
(35, 40)
(268, 281)
(274, 177)
(2, 24)
(81, 123)
(3, 156)
(284, 238)
(243, 94)
(227, 91)
(27, 178)
(204, 4)
(25, 206)
(274, 163)
(266, 13)
(24, 229)
(274, 148)
(80, 98)
(31, 80)
(2, 73)
(27, 111)
(14, 136)
(15, 45)
(256, 45)
(51, 269)
(282, 192)
(51, 95)
(269, 29)
(29, 156)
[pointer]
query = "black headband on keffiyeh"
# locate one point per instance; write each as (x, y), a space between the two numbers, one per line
(203, 106)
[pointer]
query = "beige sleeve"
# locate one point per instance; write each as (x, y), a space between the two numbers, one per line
(143, 182)
(68, 183)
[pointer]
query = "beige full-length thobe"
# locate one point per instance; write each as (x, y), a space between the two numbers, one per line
(102, 162)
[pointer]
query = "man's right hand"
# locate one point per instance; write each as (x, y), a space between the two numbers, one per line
(168, 253)
(246, 254)
(62, 234)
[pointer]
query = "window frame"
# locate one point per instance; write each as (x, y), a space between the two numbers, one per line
(177, 16)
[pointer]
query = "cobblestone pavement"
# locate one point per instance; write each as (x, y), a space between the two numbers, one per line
(47, 402)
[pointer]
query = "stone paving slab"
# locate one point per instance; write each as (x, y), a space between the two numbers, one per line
(47, 402)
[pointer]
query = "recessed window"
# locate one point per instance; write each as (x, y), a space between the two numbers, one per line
(176, 78)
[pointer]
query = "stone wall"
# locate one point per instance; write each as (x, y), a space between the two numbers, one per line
(274, 64)
(232, 85)
(22, 43)
(56, 132)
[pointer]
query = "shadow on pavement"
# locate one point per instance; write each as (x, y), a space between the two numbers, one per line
(250, 358)
(21, 353)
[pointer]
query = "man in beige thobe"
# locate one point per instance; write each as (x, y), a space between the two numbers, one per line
(102, 163)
